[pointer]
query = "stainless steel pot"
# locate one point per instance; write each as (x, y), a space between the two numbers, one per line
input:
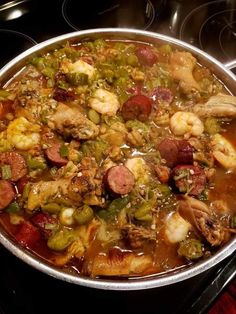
(221, 71)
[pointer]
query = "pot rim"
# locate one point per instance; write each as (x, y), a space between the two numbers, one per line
(154, 281)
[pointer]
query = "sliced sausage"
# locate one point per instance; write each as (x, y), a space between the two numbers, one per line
(162, 94)
(169, 150)
(53, 154)
(137, 107)
(146, 56)
(45, 222)
(7, 193)
(185, 152)
(176, 152)
(189, 179)
(6, 106)
(119, 180)
(28, 235)
(17, 164)
(63, 95)
(22, 183)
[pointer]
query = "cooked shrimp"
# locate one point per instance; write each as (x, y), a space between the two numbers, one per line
(23, 134)
(104, 102)
(79, 66)
(223, 151)
(186, 123)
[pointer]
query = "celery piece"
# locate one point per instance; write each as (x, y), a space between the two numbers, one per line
(114, 208)
(94, 148)
(132, 60)
(61, 239)
(233, 222)
(191, 249)
(36, 163)
(26, 191)
(6, 172)
(4, 94)
(93, 116)
(84, 215)
(49, 72)
(64, 151)
(13, 208)
(164, 189)
(143, 213)
(76, 79)
(211, 126)
(165, 49)
(51, 208)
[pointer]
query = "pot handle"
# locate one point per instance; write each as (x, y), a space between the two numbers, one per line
(230, 65)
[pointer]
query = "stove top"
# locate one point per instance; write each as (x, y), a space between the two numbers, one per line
(211, 26)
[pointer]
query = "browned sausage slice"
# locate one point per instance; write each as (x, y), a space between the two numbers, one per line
(17, 164)
(119, 180)
(62, 95)
(42, 221)
(137, 107)
(176, 152)
(7, 193)
(6, 106)
(53, 154)
(185, 155)
(168, 149)
(146, 56)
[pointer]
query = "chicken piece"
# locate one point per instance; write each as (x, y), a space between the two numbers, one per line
(104, 102)
(119, 263)
(71, 122)
(220, 105)
(88, 232)
(176, 228)
(85, 185)
(77, 249)
(42, 191)
(85, 188)
(181, 68)
(202, 219)
(138, 236)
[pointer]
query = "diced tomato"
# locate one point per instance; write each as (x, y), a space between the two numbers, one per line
(28, 235)
(45, 223)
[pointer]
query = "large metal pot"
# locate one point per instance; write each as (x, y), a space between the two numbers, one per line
(221, 71)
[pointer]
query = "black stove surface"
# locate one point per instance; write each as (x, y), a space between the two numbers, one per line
(210, 26)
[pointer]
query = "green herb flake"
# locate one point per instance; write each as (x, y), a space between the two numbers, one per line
(13, 208)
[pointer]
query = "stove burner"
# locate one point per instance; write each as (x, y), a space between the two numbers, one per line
(228, 47)
(11, 10)
(113, 13)
(212, 27)
(15, 42)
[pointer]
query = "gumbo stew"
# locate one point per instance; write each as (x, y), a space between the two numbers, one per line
(117, 158)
